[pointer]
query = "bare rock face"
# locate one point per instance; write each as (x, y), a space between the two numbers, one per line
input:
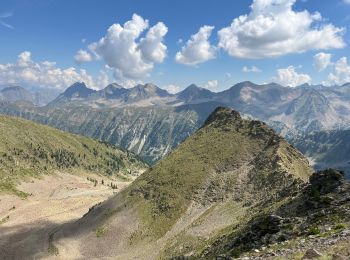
(316, 217)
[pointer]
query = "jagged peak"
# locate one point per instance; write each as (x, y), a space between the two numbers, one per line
(79, 88)
(193, 86)
(76, 86)
(114, 85)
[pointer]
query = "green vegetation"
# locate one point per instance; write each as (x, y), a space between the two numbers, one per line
(29, 150)
(101, 231)
(339, 226)
(4, 220)
(236, 252)
(52, 250)
(314, 230)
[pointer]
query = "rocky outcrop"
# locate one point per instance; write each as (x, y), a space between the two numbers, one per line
(318, 217)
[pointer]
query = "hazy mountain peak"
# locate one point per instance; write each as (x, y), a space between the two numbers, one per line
(16, 93)
(14, 87)
(193, 86)
(114, 86)
(305, 85)
(143, 92)
(112, 91)
(79, 90)
(193, 92)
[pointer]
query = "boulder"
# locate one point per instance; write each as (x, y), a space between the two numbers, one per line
(312, 254)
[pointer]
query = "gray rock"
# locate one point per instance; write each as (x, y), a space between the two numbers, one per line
(311, 254)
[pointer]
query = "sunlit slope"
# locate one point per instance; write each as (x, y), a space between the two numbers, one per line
(28, 149)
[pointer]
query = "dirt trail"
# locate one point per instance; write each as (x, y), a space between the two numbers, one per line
(55, 199)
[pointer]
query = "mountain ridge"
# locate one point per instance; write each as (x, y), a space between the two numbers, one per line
(132, 125)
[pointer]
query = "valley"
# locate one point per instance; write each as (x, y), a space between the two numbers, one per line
(49, 177)
(54, 200)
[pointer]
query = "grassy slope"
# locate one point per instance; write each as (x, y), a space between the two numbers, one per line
(28, 149)
(226, 144)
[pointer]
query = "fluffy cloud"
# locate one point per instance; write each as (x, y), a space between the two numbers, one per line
(322, 60)
(212, 85)
(46, 74)
(347, 1)
(251, 69)
(173, 89)
(197, 49)
(82, 56)
(341, 73)
(129, 83)
(273, 28)
(123, 51)
(289, 77)
(152, 47)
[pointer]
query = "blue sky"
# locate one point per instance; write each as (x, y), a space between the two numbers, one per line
(48, 30)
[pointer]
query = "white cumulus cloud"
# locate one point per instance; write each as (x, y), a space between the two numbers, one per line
(129, 83)
(251, 69)
(322, 60)
(212, 85)
(289, 77)
(82, 56)
(152, 46)
(341, 73)
(173, 89)
(198, 48)
(46, 74)
(273, 29)
(124, 51)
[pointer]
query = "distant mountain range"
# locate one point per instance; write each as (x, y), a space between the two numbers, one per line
(114, 96)
(13, 94)
(305, 108)
(151, 122)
